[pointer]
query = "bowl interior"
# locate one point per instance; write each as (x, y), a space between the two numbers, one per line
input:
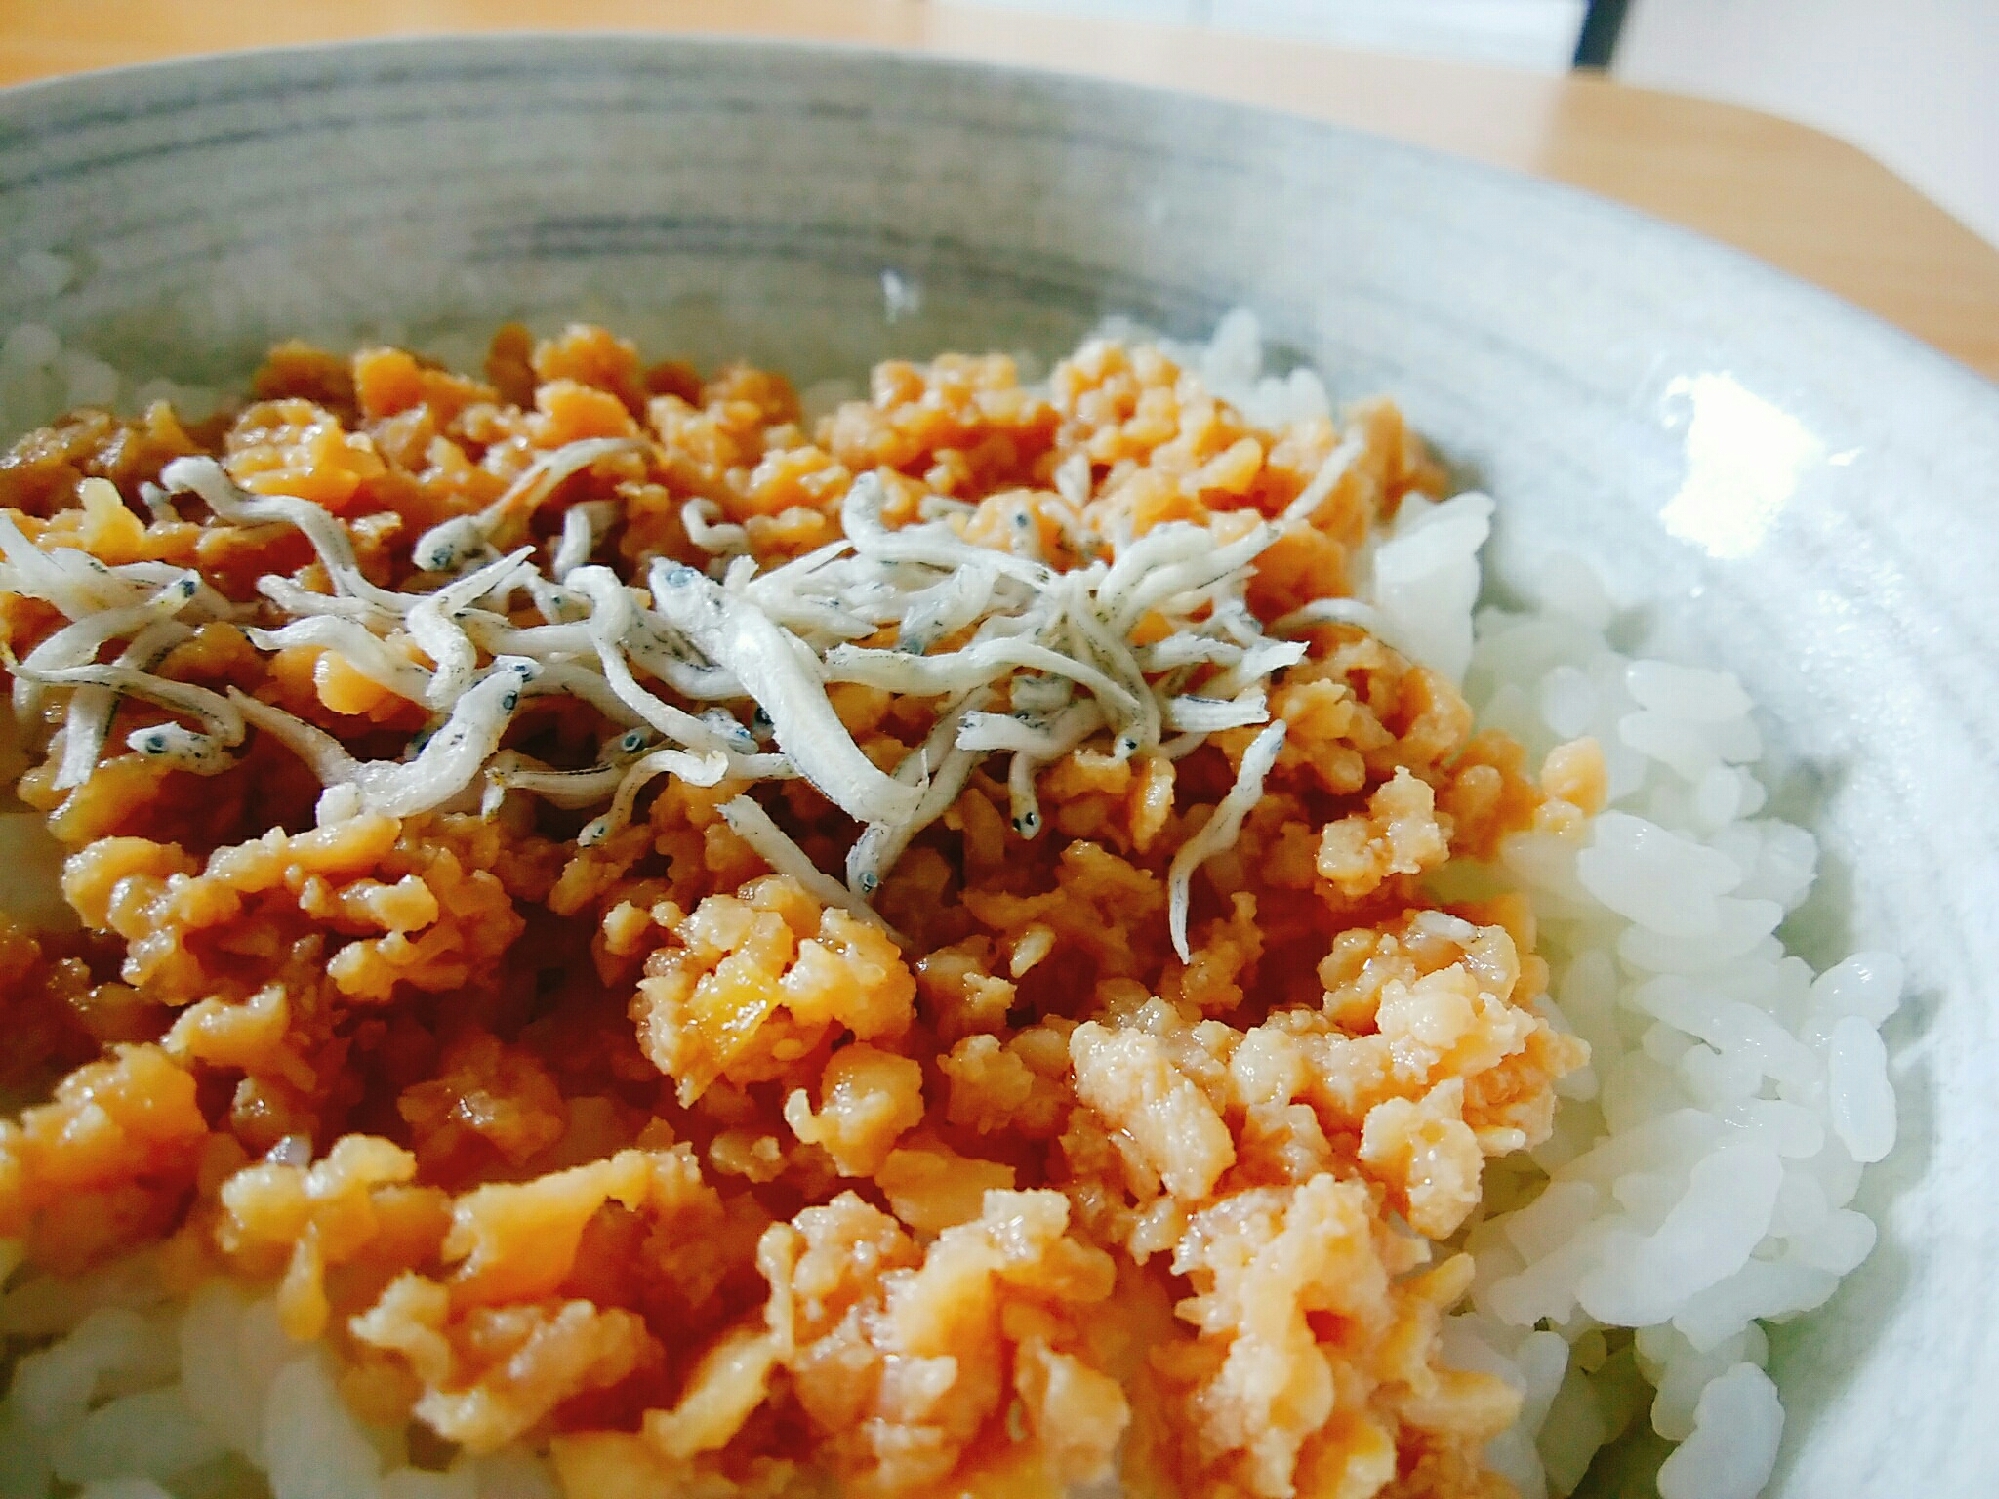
(1792, 486)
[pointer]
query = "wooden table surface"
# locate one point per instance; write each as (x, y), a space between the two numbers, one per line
(1807, 203)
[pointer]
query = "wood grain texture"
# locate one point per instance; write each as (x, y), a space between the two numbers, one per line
(1794, 197)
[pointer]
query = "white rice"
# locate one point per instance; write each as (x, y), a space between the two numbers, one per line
(41, 377)
(145, 1395)
(1695, 1188)
(1698, 1179)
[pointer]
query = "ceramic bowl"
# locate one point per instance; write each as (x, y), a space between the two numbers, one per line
(1805, 495)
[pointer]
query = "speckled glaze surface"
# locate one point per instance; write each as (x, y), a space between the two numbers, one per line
(1804, 495)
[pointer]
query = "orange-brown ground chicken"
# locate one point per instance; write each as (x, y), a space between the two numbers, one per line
(637, 1152)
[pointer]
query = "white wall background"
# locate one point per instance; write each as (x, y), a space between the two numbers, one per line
(1913, 82)
(1536, 34)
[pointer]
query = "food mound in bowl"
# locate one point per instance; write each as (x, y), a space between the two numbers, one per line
(969, 945)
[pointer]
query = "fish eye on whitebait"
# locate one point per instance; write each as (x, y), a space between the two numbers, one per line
(443, 546)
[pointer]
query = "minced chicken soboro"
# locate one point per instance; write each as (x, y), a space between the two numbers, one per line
(607, 1138)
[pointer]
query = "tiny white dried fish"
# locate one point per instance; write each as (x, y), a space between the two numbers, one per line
(205, 477)
(1257, 662)
(1343, 457)
(749, 822)
(216, 713)
(510, 770)
(1040, 692)
(159, 504)
(1163, 546)
(77, 644)
(583, 526)
(945, 607)
(204, 602)
(585, 683)
(1137, 731)
(1220, 831)
(87, 722)
(1210, 715)
(450, 544)
(181, 748)
(931, 543)
(656, 647)
(972, 666)
(432, 624)
(1064, 732)
(368, 654)
(1043, 736)
(937, 768)
(1186, 649)
(75, 582)
(1353, 612)
(448, 762)
(1186, 575)
(612, 617)
(735, 634)
(304, 603)
(696, 770)
(702, 520)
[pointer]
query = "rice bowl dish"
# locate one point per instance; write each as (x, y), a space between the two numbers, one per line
(1695, 1180)
(1268, 1082)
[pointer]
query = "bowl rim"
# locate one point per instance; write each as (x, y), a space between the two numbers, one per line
(1895, 355)
(1752, 275)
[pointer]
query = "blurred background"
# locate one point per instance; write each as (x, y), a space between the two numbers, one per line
(1913, 82)
(1852, 143)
